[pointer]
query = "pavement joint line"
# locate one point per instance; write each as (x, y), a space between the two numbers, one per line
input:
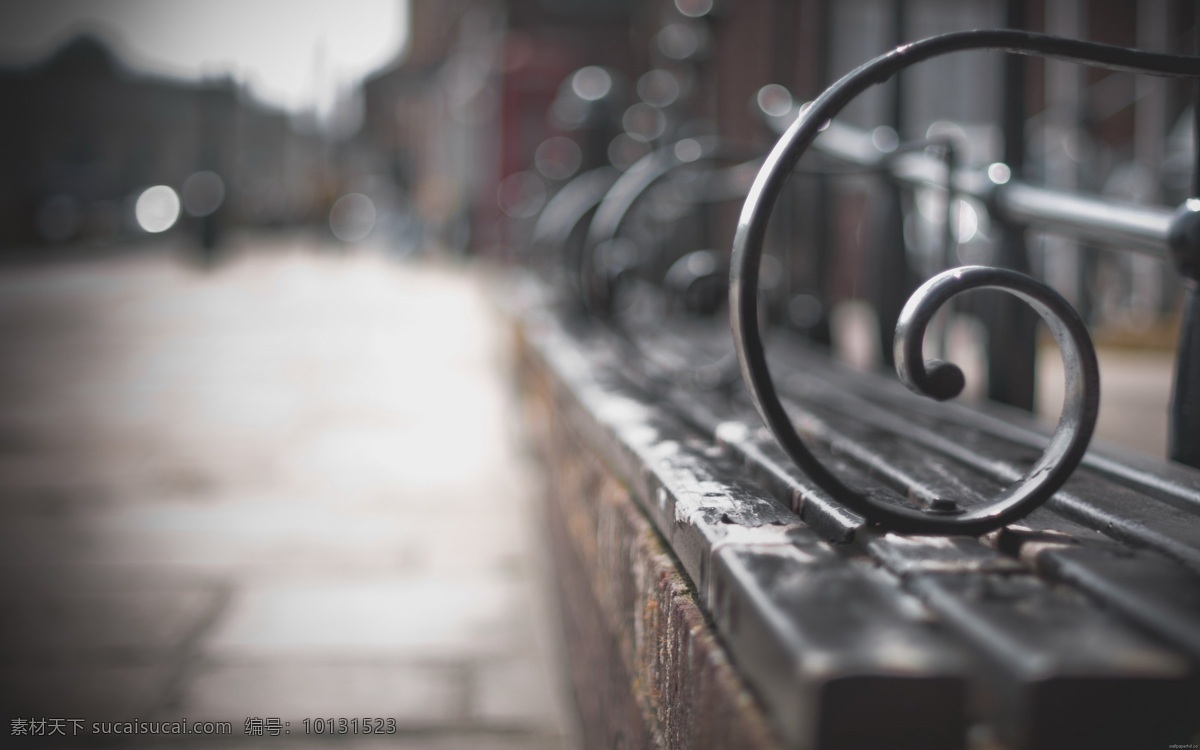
(466, 677)
(170, 338)
(189, 654)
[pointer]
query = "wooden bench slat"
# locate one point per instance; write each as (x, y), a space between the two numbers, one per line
(821, 658)
(718, 496)
(1155, 593)
(1150, 590)
(1064, 674)
(766, 462)
(1114, 508)
(1167, 482)
(836, 659)
(907, 556)
(1155, 608)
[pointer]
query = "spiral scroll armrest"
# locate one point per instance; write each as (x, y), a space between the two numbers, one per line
(696, 282)
(939, 380)
(597, 268)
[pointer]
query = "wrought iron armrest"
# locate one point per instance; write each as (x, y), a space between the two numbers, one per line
(695, 282)
(935, 379)
(604, 261)
(563, 216)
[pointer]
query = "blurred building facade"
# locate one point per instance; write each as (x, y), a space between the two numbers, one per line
(468, 134)
(1084, 129)
(86, 135)
(467, 106)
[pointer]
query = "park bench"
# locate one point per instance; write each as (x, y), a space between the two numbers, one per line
(843, 577)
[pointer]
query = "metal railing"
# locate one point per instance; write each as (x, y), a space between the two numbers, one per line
(1012, 201)
(603, 201)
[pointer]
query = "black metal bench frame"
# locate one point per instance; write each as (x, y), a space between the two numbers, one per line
(1079, 624)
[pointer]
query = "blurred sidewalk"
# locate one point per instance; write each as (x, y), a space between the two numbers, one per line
(288, 488)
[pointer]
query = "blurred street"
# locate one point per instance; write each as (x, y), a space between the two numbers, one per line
(284, 489)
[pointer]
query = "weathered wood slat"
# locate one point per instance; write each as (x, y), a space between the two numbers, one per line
(924, 563)
(1152, 592)
(1172, 483)
(1056, 622)
(1148, 589)
(764, 460)
(647, 670)
(823, 660)
(835, 657)
(1051, 656)
(1167, 484)
(1114, 508)
(1165, 608)
(1072, 676)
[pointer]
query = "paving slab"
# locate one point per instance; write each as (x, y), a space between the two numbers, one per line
(422, 696)
(286, 486)
(58, 627)
(80, 690)
(425, 617)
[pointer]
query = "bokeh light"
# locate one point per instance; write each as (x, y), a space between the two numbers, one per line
(694, 8)
(521, 195)
(658, 87)
(625, 150)
(591, 83)
(644, 122)
(558, 157)
(682, 41)
(352, 217)
(774, 100)
(157, 209)
(203, 193)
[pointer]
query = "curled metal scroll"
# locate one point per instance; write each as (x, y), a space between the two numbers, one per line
(943, 381)
(605, 259)
(940, 380)
(552, 248)
(695, 282)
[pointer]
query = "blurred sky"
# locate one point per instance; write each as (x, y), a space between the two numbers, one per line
(296, 54)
